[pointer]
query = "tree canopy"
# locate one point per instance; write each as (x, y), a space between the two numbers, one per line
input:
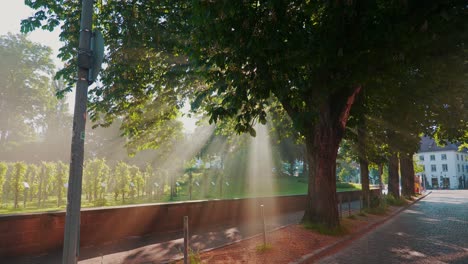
(313, 57)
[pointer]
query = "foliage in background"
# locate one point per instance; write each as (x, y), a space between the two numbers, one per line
(16, 181)
(3, 171)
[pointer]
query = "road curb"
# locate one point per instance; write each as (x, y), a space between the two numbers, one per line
(348, 238)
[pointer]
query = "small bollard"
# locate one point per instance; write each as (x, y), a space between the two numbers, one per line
(264, 226)
(186, 241)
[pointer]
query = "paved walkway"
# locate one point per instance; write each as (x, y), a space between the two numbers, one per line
(164, 247)
(434, 230)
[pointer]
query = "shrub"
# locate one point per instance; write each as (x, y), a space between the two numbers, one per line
(391, 200)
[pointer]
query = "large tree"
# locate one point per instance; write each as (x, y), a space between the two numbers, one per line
(315, 58)
(25, 72)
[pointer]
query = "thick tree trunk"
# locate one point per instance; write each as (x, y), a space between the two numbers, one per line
(363, 162)
(393, 176)
(322, 203)
(407, 175)
(322, 144)
(364, 170)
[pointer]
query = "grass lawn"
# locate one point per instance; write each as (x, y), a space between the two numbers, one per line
(234, 189)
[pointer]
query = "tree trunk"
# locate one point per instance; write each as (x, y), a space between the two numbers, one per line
(291, 167)
(381, 183)
(407, 175)
(322, 181)
(364, 170)
(393, 176)
(322, 144)
(25, 198)
(363, 162)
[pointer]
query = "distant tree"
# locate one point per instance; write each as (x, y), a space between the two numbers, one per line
(50, 177)
(25, 72)
(3, 172)
(61, 176)
(19, 171)
(96, 173)
(137, 181)
(57, 126)
(149, 180)
(29, 178)
(122, 177)
(87, 184)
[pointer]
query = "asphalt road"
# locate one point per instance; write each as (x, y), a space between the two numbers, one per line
(434, 230)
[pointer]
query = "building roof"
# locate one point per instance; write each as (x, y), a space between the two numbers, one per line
(428, 144)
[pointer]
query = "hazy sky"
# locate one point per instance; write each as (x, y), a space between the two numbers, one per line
(10, 19)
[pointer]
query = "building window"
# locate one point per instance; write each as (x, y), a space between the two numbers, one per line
(444, 167)
(424, 168)
(433, 168)
(444, 157)
(458, 158)
(432, 157)
(421, 157)
(458, 167)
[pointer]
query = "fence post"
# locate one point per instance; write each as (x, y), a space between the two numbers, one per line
(264, 227)
(186, 241)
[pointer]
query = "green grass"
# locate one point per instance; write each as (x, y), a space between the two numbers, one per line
(391, 200)
(324, 230)
(236, 189)
(379, 210)
(263, 247)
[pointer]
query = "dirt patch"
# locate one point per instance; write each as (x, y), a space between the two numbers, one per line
(286, 244)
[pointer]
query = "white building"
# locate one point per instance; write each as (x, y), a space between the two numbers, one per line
(443, 167)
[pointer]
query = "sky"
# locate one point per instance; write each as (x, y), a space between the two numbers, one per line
(10, 19)
(11, 15)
